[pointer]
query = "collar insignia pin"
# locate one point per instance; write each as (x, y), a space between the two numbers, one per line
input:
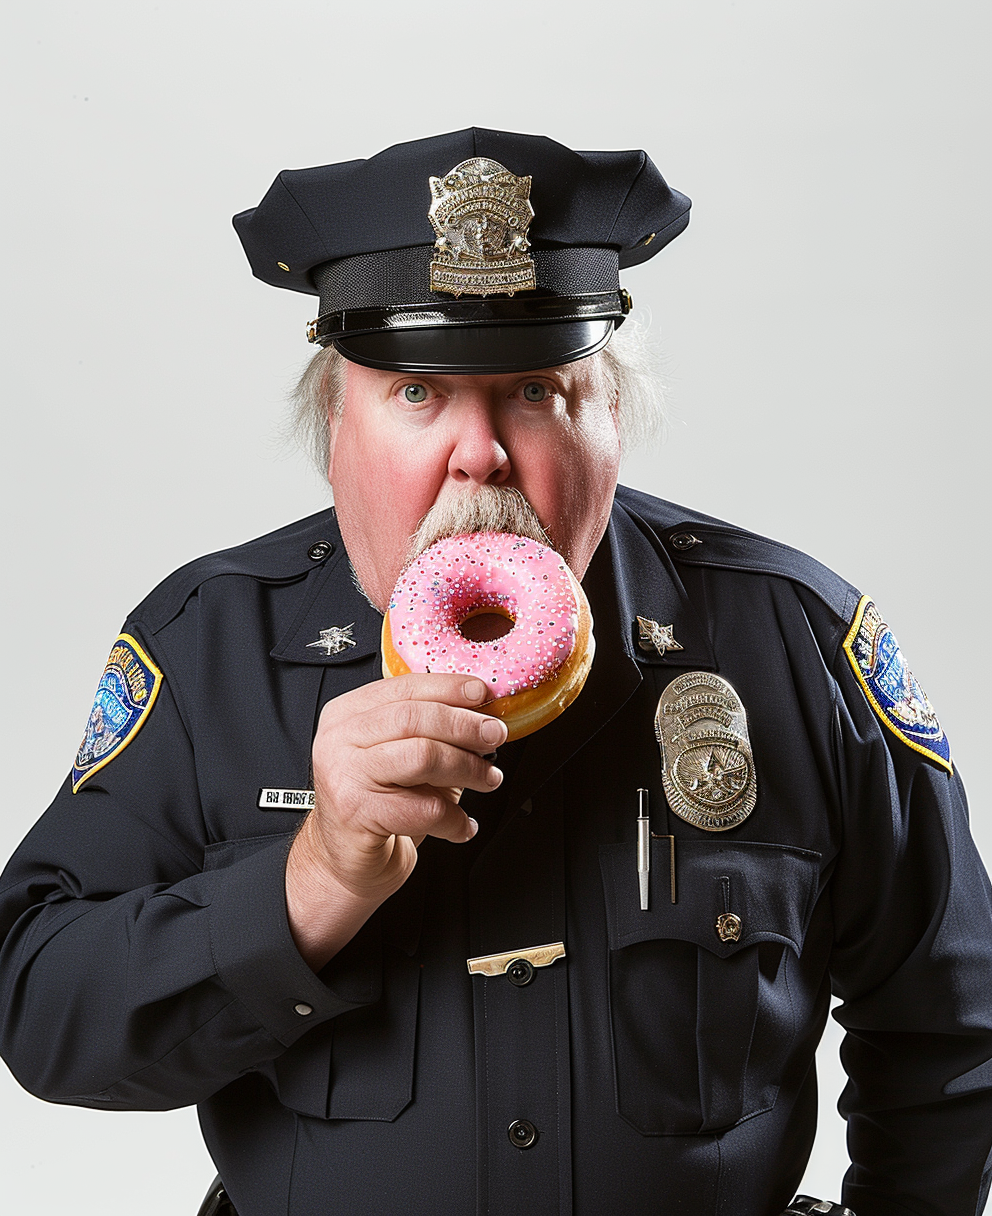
(653, 636)
(481, 212)
(335, 639)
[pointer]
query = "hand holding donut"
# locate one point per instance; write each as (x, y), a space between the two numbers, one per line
(390, 761)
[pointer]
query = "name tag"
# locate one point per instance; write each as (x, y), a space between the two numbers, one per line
(285, 800)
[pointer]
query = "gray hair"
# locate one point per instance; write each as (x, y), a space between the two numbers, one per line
(631, 366)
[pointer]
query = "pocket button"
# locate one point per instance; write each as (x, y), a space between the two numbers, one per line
(520, 972)
(522, 1133)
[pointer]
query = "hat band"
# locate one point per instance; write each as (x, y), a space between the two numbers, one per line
(403, 276)
(520, 310)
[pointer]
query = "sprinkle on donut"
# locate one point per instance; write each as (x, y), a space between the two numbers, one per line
(496, 572)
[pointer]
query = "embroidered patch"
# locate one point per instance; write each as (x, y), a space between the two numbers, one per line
(124, 698)
(891, 688)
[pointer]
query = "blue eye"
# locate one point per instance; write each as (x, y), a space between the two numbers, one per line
(415, 393)
(535, 392)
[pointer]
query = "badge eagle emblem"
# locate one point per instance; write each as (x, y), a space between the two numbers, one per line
(707, 768)
(481, 212)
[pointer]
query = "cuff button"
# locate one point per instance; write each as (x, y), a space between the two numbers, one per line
(303, 1009)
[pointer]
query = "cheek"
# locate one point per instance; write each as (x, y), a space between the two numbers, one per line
(387, 484)
(590, 465)
(572, 483)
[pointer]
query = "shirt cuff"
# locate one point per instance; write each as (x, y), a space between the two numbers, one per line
(258, 962)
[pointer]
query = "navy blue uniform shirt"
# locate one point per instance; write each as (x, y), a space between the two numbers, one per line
(148, 963)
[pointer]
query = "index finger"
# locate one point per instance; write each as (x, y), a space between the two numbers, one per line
(465, 691)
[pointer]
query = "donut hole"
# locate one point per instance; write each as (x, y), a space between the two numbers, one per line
(485, 624)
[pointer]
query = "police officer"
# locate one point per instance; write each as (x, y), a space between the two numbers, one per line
(403, 965)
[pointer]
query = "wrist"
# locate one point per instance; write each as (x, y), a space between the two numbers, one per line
(324, 910)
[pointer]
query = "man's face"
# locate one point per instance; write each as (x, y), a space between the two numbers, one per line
(405, 440)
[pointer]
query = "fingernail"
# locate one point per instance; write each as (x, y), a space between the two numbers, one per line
(473, 826)
(493, 730)
(474, 690)
(494, 776)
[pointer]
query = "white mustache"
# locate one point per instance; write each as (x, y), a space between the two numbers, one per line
(488, 509)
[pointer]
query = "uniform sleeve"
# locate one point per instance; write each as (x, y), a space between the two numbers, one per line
(912, 965)
(130, 978)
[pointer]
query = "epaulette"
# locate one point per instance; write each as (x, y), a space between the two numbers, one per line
(693, 539)
(281, 556)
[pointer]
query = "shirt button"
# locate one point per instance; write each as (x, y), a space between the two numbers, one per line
(520, 972)
(319, 551)
(303, 1009)
(522, 1133)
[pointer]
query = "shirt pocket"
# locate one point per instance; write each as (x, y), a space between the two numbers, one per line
(359, 1065)
(701, 1016)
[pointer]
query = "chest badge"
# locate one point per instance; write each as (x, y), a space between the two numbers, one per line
(707, 768)
(335, 639)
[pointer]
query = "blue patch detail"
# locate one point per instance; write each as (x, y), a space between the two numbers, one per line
(893, 691)
(124, 698)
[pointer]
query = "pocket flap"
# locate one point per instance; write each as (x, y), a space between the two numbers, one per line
(769, 888)
(226, 852)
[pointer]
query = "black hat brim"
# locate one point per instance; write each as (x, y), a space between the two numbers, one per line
(477, 349)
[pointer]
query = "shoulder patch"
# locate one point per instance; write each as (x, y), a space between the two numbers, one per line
(891, 688)
(124, 699)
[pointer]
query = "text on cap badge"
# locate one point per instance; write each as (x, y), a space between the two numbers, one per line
(707, 769)
(481, 212)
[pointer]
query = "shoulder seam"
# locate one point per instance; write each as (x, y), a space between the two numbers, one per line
(744, 552)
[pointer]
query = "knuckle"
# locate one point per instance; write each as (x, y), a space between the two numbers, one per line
(434, 810)
(406, 717)
(427, 753)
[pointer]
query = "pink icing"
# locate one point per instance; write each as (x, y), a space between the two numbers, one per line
(493, 570)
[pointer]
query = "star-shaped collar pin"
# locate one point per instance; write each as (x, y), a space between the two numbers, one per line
(335, 639)
(653, 636)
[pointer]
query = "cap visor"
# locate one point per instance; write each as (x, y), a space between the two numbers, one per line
(477, 349)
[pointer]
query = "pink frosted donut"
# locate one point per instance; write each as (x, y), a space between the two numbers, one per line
(535, 669)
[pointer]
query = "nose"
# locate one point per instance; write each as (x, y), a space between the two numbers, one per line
(477, 454)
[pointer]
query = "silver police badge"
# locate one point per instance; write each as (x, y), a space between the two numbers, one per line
(707, 768)
(481, 212)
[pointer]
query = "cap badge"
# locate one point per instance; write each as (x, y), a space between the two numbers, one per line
(335, 639)
(481, 212)
(707, 768)
(655, 637)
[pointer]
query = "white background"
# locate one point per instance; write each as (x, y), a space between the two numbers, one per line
(824, 316)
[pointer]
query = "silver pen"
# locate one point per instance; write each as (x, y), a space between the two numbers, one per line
(643, 847)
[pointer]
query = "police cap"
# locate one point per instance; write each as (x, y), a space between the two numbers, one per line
(476, 251)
